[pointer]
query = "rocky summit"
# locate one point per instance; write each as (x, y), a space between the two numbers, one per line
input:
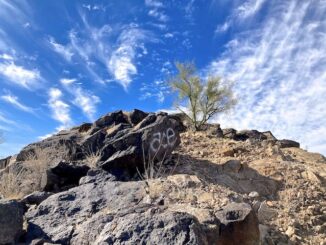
(147, 178)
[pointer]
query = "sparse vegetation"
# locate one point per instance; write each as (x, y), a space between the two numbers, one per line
(27, 179)
(92, 157)
(154, 169)
(201, 99)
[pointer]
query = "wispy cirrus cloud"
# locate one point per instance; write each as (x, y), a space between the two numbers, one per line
(159, 89)
(154, 3)
(65, 51)
(112, 49)
(8, 122)
(14, 100)
(248, 8)
(243, 11)
(20, 75)
(122, 61)
(279, 71)
(60, 110)
(83, 99)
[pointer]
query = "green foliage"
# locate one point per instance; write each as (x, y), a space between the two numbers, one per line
(203, 99)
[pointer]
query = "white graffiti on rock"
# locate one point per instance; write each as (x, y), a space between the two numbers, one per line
(165, 140)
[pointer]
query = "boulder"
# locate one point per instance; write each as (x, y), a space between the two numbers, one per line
(136, 116)
(141, 226)
(11, 221)
(288, 143)
(265, 213)
(182, 120)
(154, 138)
(232, 166)
(4, 162)
(239, 225)
(116, 142)
(229, 133)
(243, 135)
(36, 197)
(110, 119)
(106, 212)
(96, 175)
(269, 136)
(215, 130)
(62, 175)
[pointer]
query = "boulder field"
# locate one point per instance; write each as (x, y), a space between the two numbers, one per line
(146, 178)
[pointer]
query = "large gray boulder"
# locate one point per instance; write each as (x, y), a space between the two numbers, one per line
(11, 221)
(107, 212)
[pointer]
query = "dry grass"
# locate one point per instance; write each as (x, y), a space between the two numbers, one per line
(17, 183)
(92, 158)
(9, 187)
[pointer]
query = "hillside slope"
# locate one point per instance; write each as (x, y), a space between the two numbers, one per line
(139, 178)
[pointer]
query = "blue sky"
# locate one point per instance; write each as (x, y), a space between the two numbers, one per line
(67, 62)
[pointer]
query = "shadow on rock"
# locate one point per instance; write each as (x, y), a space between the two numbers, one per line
(232, 174)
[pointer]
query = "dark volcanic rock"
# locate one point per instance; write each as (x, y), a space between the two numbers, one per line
(229, 133)
(249, 134)
(110, 119)
(239, 225)
(288, 143)
(36, 197)
(63, 175)
(117, 142)
(96, 175)
(142, 225)
(136, 116)
(109, 213)
(11, 221)
(4, 162)
(154, 137)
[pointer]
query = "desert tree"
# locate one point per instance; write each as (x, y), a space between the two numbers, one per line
(200, 99)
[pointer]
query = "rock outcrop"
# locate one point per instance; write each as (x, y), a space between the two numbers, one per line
(11, 221)
(111, 213)
(123, 180)
(117, 142)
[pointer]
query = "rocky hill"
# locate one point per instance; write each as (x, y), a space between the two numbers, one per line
(145, 178)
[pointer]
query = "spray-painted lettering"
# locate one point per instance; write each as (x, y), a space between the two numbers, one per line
(163, 139)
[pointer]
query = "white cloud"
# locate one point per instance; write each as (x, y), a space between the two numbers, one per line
(67, 81)
(240, 14)
(279, 74)
(154, 3)
(101, 48)
(87, 102)
(224, 27)
(121, 63)
(15, 102)
(158, 90)
(27, 25)
(20, 75)
(6, 57)
(60, 109)
(249, 8)
(65, 51)
(83, 99)
(159, 15)
(169, 35)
